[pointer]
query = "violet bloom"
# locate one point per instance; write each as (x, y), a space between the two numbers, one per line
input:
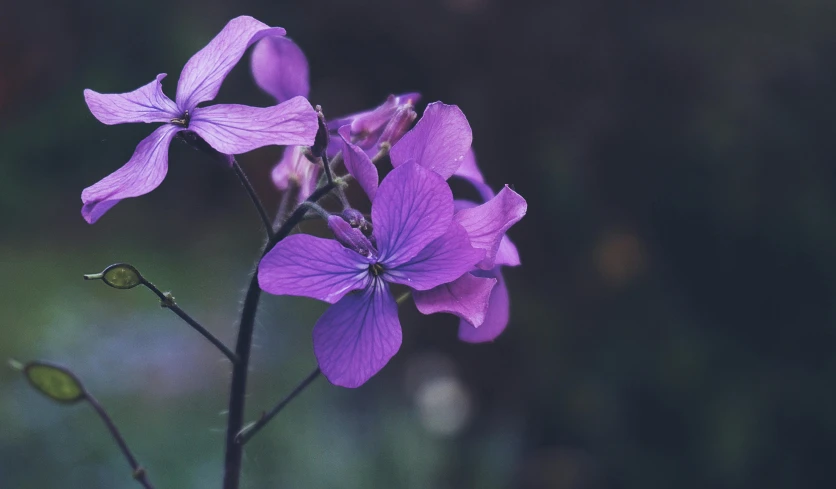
(280, 68)
(480, 298)
(229, 129)
(295, 170)
(439, 142)
(414, 242)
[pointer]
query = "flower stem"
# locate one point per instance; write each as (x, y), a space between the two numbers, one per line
(268, 228)
(167, 301)
(249, 431)
(238, 387)
(139, 472)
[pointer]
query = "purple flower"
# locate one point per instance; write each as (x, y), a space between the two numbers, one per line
(440, 142)
(480, 298)
(415, 242)
(296, 170)
(280, 68)
(229, 129)
(386, 123)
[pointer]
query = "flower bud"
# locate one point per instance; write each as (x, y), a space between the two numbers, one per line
(57, 383)
(322, 138)
(399, 124)
(350, 237)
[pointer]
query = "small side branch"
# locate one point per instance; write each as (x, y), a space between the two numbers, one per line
(167, 301)
(250, 430)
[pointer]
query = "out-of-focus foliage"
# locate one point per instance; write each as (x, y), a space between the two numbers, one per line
(672, 323)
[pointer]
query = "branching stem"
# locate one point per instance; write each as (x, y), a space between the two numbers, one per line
(238, 388)
(248, 432)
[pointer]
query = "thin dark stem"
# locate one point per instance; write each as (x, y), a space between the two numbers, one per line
(244, 436)
(139, 472)
(329, 175)
(265, 219)
(238, 387)
(167, 301)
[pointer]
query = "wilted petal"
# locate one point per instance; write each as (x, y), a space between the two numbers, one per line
(145, 104)
(487, 223)
(496, 318)
(507, 253)
(445, 259)
(358, 164)
(466, 297)
(280, 68)
(307, 266)
(235, 129)
(295, 169)
(412, 207)
(438, 142)
(141, 174)
(204, 73)
(357, 336)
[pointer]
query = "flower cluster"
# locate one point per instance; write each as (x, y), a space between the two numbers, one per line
(448, 253)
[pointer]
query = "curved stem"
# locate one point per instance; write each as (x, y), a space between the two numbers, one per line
(265, 219)
(139, 472)
(167, 301)
(248, 432)
(238, 387)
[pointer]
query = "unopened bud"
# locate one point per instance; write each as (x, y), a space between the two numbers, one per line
(399, 124)
(350, 237)
(118, 276)
(322, 138)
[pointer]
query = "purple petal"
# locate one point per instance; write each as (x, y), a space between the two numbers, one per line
(445, 259)
(145, 104)
(507, 253)
(141, 174)
(294, 169)
(280, 68)
(204, 73)
(357, 336)
(466, 297)
(412, 207)
(235, 129)
(487, 223)
(358, 164)
(438, 142)
(307, 266)
(496, 319)
(469, 170)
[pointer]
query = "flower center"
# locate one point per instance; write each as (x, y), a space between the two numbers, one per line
(376, 269)
(182, 121)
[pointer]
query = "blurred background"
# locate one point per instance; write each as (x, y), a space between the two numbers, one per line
(672, 323)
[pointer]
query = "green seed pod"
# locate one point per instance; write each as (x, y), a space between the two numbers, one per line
(57, 383)
(118, 276)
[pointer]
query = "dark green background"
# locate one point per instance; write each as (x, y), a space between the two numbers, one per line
(672, 324)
